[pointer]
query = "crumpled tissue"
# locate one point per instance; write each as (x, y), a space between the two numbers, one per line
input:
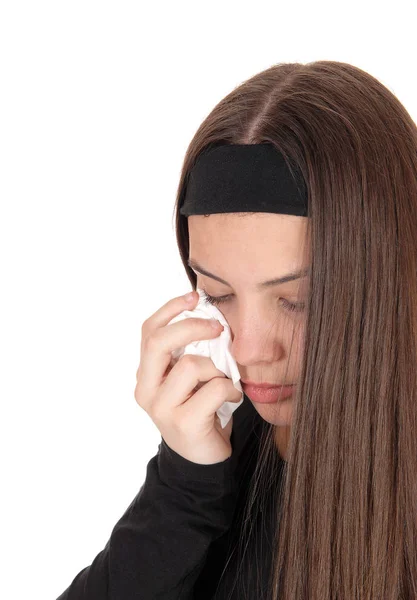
(218, 349)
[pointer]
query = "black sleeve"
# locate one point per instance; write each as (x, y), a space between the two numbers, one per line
(159, 546)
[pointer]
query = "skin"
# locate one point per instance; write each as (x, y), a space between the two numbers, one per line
(245, 251)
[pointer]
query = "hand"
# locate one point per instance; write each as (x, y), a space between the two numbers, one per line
(182, 397)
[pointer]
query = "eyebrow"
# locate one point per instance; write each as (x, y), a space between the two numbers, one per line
(266, 284)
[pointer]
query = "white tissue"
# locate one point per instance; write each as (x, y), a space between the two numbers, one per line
(218, 349)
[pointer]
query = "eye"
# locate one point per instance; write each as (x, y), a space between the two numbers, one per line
(216, 300)
(293, 307)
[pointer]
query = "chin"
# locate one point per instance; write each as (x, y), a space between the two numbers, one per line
(278, 413)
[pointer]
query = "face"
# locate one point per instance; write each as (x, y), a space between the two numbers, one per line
(266, 322)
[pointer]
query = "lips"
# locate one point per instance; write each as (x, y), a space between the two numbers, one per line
(266, 385)
(267, 395)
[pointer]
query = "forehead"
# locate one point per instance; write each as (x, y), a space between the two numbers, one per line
(250, 236)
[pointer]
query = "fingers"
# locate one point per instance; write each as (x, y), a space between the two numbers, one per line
(168, 311)
(163, 316)
(187, 376)
(158, 346)
(209, 398)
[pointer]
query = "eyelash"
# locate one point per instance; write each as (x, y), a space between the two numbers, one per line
(291, 307)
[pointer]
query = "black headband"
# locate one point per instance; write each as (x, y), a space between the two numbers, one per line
(244, 178)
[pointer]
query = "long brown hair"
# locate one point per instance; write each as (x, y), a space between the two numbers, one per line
(347, 520)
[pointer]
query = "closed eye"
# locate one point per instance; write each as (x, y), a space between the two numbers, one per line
(217, 300)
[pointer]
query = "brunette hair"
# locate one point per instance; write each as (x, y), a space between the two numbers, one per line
(347, 518)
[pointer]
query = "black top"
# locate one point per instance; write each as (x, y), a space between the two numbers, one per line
(174, 539)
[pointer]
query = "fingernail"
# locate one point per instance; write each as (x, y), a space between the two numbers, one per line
(189, 297)
(215, 324)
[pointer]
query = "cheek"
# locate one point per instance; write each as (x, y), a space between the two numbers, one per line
(296, 339)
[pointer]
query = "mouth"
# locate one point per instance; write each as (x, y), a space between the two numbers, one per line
(266, 385)
(268, 394)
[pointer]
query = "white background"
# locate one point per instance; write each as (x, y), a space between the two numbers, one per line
(98, 103)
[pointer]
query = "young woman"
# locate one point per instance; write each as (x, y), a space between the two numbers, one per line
(310, 495)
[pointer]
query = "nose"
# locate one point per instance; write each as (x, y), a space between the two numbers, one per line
(252, 345)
